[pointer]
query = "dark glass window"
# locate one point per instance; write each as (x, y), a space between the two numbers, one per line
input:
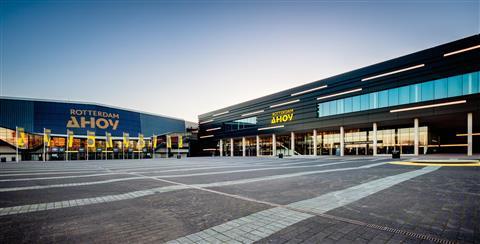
(240, 124)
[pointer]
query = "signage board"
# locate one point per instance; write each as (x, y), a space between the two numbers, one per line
(282, 116)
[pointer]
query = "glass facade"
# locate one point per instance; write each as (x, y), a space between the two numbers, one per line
(237, 147)
(459, 85)
(250, 146)
(283, 144)
(265, 145)
(356, 142)
(240, 124)
(226, 148)
(304, 143)
(327, 142)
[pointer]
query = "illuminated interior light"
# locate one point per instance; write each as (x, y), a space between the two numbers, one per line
(212, 129)
(461, 51)
(271, 127)
(285, 103)
(339, 94)
(449, 145)
(252, 113)
(206, 121)
(309, 90)
(210, 149)
(222, 113)
(206, 136)
(473, 134)
(428, 106)
(393, 72)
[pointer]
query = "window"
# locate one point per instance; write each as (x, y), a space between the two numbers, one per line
(348, 106)
(240, 124)
(441, 88)
(340, 106)
(364, 102)
(454, 86)
(326, 109)
(427, 91)
(373, 100)
(393, 97)
(356, 103)
(470, 86)
(438, 89)
(383, 99)
(404, 95)
(333, 107)
(414, 93)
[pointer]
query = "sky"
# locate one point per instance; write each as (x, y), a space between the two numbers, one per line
(185, 58)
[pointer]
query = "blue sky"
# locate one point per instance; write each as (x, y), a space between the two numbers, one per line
(184, 58)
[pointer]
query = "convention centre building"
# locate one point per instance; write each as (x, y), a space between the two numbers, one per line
(427, 102)
(33, 129)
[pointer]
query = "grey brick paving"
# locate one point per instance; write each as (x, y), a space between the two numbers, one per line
(273, 220)
(110, 198)
(112, 208)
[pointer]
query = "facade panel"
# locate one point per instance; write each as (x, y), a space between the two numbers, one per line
(438, 90)
(34, 116)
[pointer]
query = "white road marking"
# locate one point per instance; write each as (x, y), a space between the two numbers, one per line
(128, 195)
(257, 226)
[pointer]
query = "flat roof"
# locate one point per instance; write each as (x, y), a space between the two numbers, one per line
(85, 103)
(363, 72)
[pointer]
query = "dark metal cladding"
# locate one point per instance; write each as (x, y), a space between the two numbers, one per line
(436, 66)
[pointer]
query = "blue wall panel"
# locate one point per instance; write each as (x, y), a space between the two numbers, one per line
(36, 115)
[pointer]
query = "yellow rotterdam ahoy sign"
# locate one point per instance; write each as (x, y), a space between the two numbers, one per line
(82, 118)
(282, 116)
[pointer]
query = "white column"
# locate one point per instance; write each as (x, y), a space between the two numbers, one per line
(221, 147)
(342, 141)
(416, 137)
(314, 142)
(274, 145)
(375, 139)
(258, 146)
(292, 143)
(469, 134)
(231, 147)
(243, 147)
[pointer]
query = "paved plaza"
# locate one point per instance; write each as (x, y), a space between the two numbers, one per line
(239, 200)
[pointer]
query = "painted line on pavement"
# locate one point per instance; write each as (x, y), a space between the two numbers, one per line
(128, 195)
(215, 184)
(257, 226)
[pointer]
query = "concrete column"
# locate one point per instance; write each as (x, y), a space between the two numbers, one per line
(469, 134)
(375, 139)
(416, 137)
(342, 141)
(274, 145)
(221, 147)
(258, 146)
(243, 147)
(314, 142)
(292, 143)
(231, 147)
